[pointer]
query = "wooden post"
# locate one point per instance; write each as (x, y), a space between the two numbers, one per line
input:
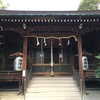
(41, 51)
(30, 54)
(80, 62)
(30, 57)
(4, 58)
(52, 71)
(71, 58)
(24, 66)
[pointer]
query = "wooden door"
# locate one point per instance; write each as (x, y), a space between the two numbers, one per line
(61, 62)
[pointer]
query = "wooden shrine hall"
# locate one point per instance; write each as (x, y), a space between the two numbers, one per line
(48, 42)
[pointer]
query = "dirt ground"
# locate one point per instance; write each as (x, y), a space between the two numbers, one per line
(13, 95)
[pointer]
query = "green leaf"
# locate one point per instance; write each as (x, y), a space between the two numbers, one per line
(97, 76)
(2, 6)
(98, 56)
(89, 5)
(97, 72)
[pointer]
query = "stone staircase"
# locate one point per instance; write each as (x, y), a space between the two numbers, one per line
(52, 88)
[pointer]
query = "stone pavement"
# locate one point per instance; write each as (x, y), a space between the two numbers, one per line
(13, 95)
(10, 95)
(92, 95)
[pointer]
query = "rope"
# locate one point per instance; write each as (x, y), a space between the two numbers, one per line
(63, 37)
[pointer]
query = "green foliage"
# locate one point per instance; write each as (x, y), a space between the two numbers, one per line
(97, 71)
(2, 6)
(98, 57)
(89, 5)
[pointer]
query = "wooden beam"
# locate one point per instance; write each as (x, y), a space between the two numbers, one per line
(40, 26)
(47, 34)
(24, 66)
(80, 62)
(54, 27)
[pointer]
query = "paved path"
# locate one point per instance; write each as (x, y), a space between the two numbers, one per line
(93, 95)
(12, 95)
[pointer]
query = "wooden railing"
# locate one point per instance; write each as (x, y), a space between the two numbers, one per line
(11, 76)
(78, 80)
(89, 74)
(27, 79)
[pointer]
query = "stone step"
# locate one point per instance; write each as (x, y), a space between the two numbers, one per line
(49, 89)
(51, 85)
(54, 98)
(52, 81)
(67, 94)
(51, 78)
(52, 88)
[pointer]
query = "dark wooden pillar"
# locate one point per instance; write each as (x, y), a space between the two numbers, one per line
(4, 59)
(71, 58)
(24, 66)
(30, 54)
(80, 55)
(80, 61)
